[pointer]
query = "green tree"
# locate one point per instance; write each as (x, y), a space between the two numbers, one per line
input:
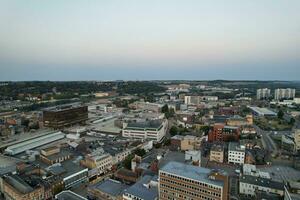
(280, 114)
(165, 109)
(292, 121)
(173, 130)
(140, 152)
(127, 161)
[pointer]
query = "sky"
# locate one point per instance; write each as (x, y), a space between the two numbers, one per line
(149, 40)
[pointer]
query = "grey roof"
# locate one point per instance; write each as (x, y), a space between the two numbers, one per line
(7, 164)
(262, 111)
(263, 182)
(111, 187)
(35, 142)
(234, 146)
(141, 191)
(192, 172)
(69, 195)
(171, 156)
(153, 124)
(18, 183)
(63, 107)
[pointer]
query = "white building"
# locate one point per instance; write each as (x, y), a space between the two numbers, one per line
(152, 130)
(196, 100)
(141, 105)
(251, 170)
(263, 93)
(236, 153)
(250, 184)
(281, 94)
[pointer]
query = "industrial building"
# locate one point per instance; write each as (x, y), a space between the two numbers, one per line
(33, 143)
(257, 111)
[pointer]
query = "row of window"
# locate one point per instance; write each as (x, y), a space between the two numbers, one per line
(190, 181)
(183, 193)
(199, 189)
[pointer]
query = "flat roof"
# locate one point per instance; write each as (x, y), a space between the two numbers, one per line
(63, 107)
(35, 142)
(262, 111)
(263, 182)
(141, 191)
(153, 124)
(192, 172)
(234, 146)
(111, 187)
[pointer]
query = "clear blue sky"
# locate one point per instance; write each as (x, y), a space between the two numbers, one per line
(149, 39)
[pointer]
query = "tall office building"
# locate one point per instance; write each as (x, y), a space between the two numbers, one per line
(182, 181)
(263, 93)
(65, 115)
(281, 94)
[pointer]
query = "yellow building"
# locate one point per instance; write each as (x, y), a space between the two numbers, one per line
(217, 154)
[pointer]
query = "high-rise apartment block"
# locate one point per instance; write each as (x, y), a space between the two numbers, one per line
(263, 93)
(182, 181)
(281, 94)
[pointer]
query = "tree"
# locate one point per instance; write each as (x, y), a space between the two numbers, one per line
(205, 129)
(280, 114)
(292, 121)
(173, 130)
(165, 109)
(127, 161)
(140, 152)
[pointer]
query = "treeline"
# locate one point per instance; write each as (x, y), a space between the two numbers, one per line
(13, 89)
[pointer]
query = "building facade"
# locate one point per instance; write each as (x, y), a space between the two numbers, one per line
(65, 115)
(152, 130)
(221, 132)
(263, 93)
(216, 154)
(181, 181)
(281, 94)
(236, 153)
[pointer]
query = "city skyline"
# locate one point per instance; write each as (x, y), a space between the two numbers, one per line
(149, 40)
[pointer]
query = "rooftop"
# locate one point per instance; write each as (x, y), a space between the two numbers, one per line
(263, 182)
(262, 111)
(153, 124)
(143, 189)
(35, 142)
(234, 146)
(63, 107)
(192, 172)
(18, 183)
(216, 147)
(110, 187)
(69, 195)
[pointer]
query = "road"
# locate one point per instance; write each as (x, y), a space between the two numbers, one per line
(267, 141)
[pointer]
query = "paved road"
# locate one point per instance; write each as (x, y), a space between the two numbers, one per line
(267, 141)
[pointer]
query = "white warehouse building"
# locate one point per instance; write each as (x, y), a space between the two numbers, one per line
(34, 142)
